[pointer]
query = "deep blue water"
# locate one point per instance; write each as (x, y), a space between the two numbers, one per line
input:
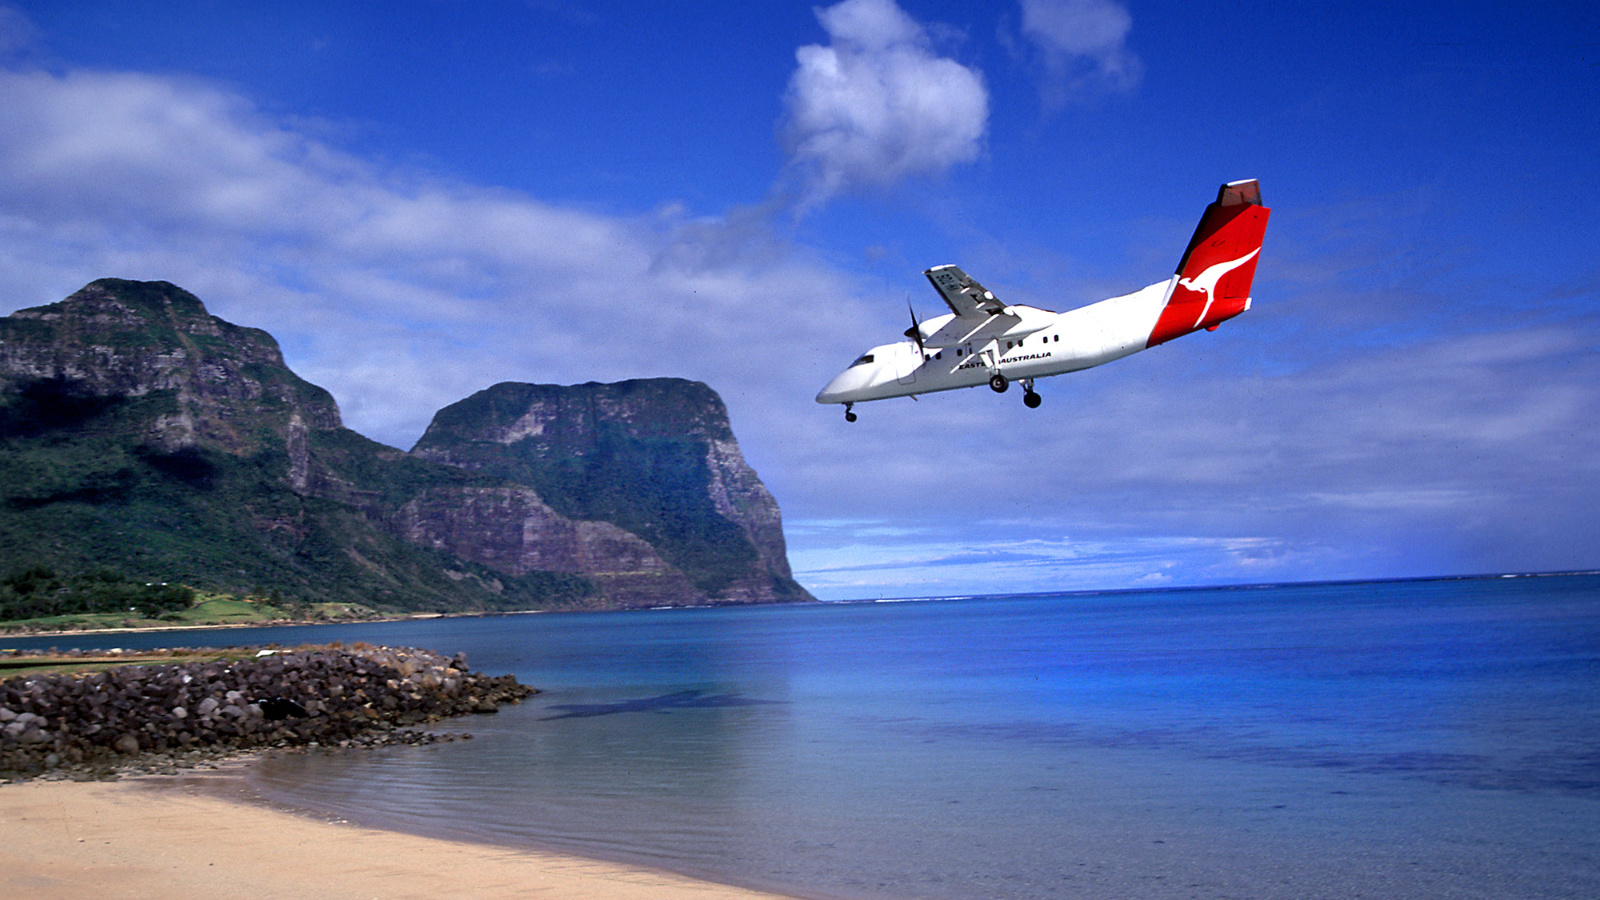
(1412, 739)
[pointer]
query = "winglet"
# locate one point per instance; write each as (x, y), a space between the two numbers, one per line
(1213, 279)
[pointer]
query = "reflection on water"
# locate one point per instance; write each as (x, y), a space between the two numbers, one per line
(662, 703)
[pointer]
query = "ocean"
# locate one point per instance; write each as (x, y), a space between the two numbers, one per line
(1419, 739)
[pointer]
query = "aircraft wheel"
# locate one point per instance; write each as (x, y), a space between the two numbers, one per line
(998, 383)
(1031, 400)
(849, 417)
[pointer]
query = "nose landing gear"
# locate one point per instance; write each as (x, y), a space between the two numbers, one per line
(849, 416)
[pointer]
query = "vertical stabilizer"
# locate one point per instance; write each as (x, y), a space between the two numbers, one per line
(1213, 280)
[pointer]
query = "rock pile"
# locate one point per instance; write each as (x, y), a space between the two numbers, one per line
(90, 725)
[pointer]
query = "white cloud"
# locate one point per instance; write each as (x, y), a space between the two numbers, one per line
(1082, 44)
(866, 560)
(400, 292)
(877, 105)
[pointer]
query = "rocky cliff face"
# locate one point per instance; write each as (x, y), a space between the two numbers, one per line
(639, 484)
(510, 529)
(119, 338)
(142, 434)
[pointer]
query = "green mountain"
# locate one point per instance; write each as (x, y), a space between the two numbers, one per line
(144, 439)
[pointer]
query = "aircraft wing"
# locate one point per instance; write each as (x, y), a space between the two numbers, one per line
(965, 297)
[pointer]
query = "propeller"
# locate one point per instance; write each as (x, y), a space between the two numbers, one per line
(915, 331)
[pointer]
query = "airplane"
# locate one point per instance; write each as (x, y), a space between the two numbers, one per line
(983, 339)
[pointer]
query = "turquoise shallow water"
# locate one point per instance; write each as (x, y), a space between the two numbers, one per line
(1413, 739)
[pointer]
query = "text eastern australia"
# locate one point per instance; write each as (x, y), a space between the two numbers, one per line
(977, 363)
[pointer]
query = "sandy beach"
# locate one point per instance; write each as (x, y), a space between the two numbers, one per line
(158, 838)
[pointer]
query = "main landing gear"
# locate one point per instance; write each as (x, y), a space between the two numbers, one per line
(1030, 398)
(849, 416)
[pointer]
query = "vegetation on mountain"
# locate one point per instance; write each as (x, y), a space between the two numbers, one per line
(82, 496)
(38, 592)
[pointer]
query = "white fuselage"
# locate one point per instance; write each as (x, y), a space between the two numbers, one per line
(1024, 343)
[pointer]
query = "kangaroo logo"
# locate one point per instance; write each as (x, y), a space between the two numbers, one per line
(1206, 282)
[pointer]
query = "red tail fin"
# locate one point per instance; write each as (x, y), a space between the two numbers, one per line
(1213, 283)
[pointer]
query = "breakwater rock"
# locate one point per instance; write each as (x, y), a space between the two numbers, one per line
(161, 716)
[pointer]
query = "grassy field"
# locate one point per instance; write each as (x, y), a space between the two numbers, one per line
(223, 610)
(208, 609)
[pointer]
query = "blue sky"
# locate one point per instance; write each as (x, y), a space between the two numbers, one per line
(420, 199)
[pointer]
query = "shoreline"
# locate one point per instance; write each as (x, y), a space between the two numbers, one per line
(210, 835)
(263, 623)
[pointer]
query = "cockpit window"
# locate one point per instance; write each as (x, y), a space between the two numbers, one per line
(865, 358)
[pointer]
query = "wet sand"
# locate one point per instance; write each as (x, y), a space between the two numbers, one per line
(160, 838)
